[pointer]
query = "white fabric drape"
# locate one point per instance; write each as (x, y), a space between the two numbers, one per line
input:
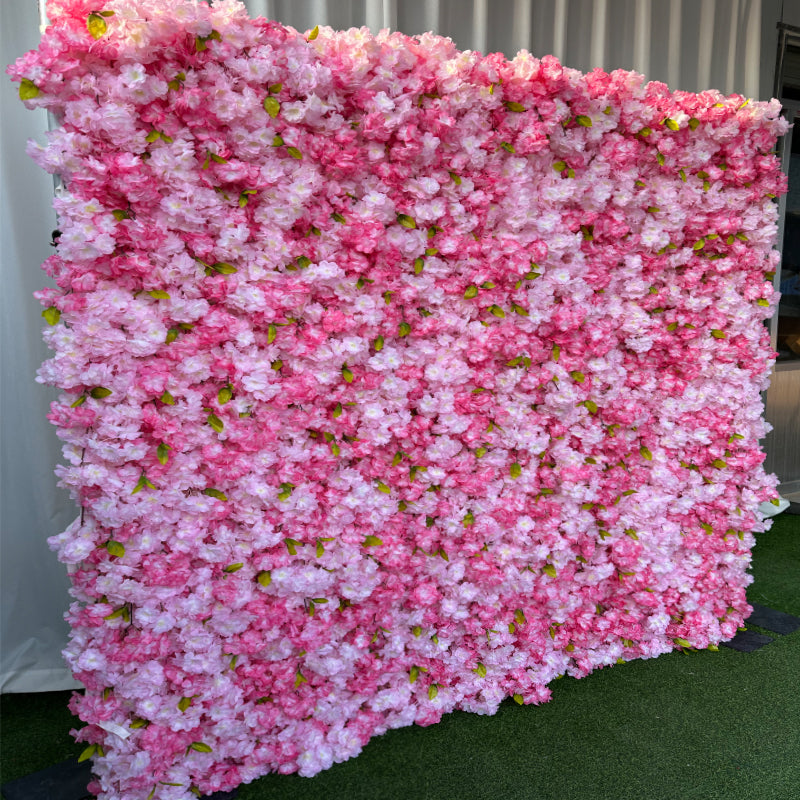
(689, 44)
(34, 585)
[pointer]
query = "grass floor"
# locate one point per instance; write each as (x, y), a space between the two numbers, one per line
(697, 726)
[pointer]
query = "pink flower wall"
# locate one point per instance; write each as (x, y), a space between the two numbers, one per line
(396, 379)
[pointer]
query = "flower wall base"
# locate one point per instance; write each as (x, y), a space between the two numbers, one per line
(396, 379)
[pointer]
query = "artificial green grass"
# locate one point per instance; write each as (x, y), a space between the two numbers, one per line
(701, 725)
(776, 567)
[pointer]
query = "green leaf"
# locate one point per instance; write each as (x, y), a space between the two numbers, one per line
(96, 25)
(560, 166)
(314, 33)
(517, 107)
(172, 335)
(419, 265)
(456, 178)
(233, 567)
(497, 311)
(671, 124)
(550, 570)
(469, 519)
(224, 395)
(224, 268)
(404, 329)
(215, 422)
(286, 491)
(372, 541)
(413, 674)
(200, 747)
(718, 463)
(382, 487)
(645, 453)
(158, 294)
(272, 107)
(480, 670)
(718, 334)
(433, 690)
(100, 392)
(509, 148)
(52, 315)
(215, 493)
(583, 120)
(682, 642)
(556, 352)
(471, 291)
(337, 217)
(377, 344)
(693, 123)
(406, 221)
(184, 703)
(138, 722)
(291, 546)
(162, 453)
(577, 376)
(294, 153)
(347, 374)
(87, 753)
(515, 470)
(337, 411)
(153, 136)
(167, 399)
(115, 548)
(28, 90)
(264, 578)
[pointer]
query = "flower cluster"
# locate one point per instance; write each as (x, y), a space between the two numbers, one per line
(395, 379)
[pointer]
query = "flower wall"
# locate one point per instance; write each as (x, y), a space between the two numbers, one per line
(396, 379)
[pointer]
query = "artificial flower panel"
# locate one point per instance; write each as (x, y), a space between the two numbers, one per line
(396, 379)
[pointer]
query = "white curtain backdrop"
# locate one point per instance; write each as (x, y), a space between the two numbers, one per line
(689, 44)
